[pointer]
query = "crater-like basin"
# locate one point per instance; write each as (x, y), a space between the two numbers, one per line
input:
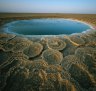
(48, 26)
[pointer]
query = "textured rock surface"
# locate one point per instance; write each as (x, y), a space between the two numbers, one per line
(47, 64)
(56, 43)
(52, 56)
(69, 60)
(77, 39)
(33, 50)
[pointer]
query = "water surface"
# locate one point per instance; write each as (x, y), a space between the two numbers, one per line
(46, 27)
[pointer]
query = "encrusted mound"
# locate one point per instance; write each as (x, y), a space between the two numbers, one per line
(77, 39)
(4, 57)
(69, 60)
(52, 56)
(82, 76)
(8, 62)
(60, 84)
(87, 55)
(19, 47)
(18, 39)
(8, 46)
(56, 43)
(36, 64)
(89, 38)
(6, 71)
(19, 56)
(81, 52)
(54, 69)
(90, 62)
(69, 50)
(6, 37)
(33, 50)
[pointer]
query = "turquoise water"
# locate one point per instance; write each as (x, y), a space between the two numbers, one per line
(46, 27)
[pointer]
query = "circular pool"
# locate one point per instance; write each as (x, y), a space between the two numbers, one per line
(49, 26)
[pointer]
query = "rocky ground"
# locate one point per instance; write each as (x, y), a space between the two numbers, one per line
(59, 63)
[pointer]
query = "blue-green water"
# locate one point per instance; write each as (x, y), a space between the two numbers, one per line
(46, 27)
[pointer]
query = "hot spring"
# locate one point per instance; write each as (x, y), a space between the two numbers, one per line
(46, 27)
